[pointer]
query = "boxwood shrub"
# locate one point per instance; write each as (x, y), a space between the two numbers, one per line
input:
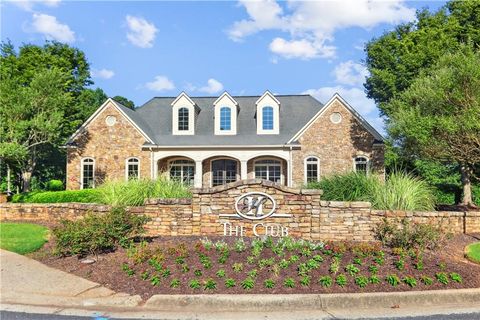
(84, 196)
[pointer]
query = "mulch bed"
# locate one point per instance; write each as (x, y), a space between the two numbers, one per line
(108, 269)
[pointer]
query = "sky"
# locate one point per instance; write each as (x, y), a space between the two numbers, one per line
(143, 49)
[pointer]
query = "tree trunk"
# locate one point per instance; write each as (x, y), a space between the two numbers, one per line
(467, 185)
(9, 190)
(26, 178)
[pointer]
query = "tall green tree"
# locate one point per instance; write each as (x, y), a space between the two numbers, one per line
(438, 116)
(124, 101)
(31, 117)
(396, 58)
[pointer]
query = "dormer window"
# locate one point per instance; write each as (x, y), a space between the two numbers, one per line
(267, 118)
(268, 114)
(226, 109)
(183, 115)
(225, 119)
(183, 119)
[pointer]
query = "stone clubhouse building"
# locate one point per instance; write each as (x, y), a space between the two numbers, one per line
(212, 141)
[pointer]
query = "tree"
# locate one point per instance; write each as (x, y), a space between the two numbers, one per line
(438, 116)
(127, 103)
(395, 59)
(31, 116)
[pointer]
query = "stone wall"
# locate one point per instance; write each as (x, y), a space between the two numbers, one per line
(299, 213)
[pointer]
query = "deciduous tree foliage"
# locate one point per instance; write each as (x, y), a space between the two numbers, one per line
(438, 116)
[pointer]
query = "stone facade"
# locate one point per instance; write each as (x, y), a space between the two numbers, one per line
(336, 145)
(109, 146)
(210, 212)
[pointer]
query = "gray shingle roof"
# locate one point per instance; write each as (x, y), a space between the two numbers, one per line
(155, 119)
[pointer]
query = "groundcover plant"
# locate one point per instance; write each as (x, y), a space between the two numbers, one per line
(283, 265)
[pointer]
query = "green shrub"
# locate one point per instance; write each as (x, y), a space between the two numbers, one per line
(407, 235)
(402, 191)
(84, 196)
(54, 185)
(346, 187)
(97, 233)
(134, 192)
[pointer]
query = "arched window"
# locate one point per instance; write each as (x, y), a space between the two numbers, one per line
(183, 119)
(267, 118)
(132, 168)
(268, 169)
(225, 118)
(182, 170)
(361, 165)
(88, 173)
(223, 171)
(312, 170)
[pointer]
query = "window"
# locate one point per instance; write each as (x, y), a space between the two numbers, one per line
(361, 165)
(267, 117)
(182, 170)
(133, 168)
(268, 170)
(183, 119)
(312, 172)
(223, 171)
(225, 118)
(88, 173)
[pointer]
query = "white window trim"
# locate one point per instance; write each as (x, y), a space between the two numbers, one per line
(237, 174)
(305, 168)
(170, 162)
(282, 176)
(268, 100)
(183, 101)
(361, 156)
(126, 167)
(82, 162)
(226, 100)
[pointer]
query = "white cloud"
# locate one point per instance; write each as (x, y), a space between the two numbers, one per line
(356, 98)
(27, 5)
(51, 28)
(311, 24)
(102, 73)
(213, 86)
(302, 49)
(350, 73)
(141, 32)
(160, 83)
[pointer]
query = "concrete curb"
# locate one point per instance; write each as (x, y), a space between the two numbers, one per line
(258, 302)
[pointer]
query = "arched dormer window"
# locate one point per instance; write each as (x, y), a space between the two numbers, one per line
(183, 119)
(267, 118)
(361, 164)
(184, 113)
(225, 119)
(226, 110)
(268, 114)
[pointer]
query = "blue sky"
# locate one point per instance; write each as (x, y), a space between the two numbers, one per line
(152, 48)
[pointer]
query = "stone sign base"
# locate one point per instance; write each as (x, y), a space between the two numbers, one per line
(298, 213)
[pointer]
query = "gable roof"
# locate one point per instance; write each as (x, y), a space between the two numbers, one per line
(136, 120)
(354, 112)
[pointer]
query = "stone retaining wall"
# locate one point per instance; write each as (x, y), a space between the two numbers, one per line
(211, 211)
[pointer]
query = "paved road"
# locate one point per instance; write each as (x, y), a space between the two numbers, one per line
(7, 315)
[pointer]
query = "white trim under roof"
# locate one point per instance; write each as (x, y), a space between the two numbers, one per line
(99, 110)
(267, 93)
(222, 146)
(357, 116)
(182, 94)
(225, 94)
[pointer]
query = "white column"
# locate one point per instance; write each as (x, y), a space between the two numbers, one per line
(243, 170)
(198, 174)
(289, 171)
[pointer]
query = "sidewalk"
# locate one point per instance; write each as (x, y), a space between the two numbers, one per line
(29, 286)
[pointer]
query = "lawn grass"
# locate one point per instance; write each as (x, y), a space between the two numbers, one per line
(473, 252)
(22, 238)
